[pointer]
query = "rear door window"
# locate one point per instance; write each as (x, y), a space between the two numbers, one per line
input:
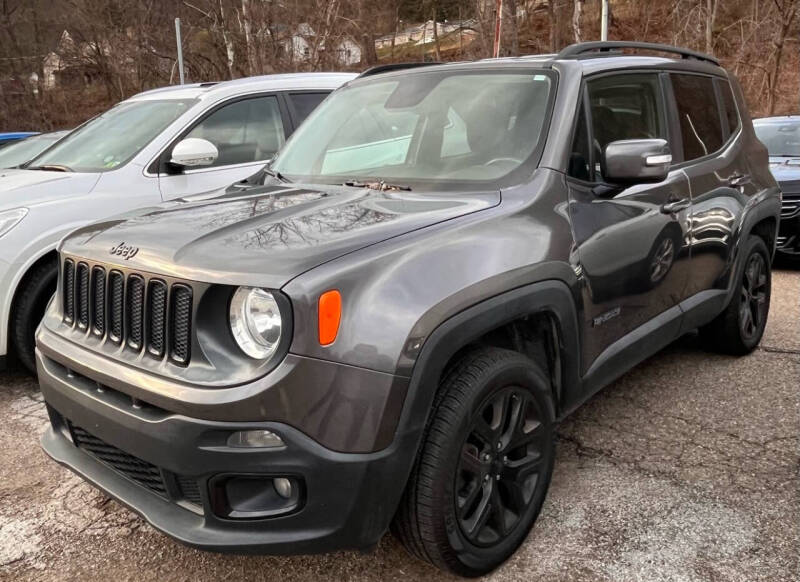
(304, 103)
(698, 114)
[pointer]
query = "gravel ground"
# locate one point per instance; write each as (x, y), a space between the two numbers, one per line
(684, 469)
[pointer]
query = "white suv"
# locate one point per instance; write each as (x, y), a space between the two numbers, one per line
(155, 146)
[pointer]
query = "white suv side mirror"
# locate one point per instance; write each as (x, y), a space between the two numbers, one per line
(194, 151)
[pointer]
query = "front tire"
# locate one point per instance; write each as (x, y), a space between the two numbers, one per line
(738, 329)
(32, 298)
(484, 465)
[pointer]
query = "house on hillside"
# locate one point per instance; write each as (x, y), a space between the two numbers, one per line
(300, 45)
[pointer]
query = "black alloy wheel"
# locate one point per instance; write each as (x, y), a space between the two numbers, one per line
(753, 302)
(739, 328)
(500, 465)
(484, 465)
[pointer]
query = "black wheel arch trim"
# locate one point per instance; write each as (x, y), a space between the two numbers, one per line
(552, 297)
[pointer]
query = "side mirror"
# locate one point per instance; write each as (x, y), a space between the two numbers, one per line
(194, 151)
(636, 160)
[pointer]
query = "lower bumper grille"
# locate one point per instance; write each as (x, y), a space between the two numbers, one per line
(131, 467)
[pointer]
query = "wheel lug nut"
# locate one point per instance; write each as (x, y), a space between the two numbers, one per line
(497, 476)
(486, 478)
(505, 459)
(499, 446)
(487, 458)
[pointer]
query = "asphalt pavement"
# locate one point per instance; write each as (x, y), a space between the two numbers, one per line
(686, 468)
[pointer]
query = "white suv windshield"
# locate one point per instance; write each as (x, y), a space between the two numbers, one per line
(473, 126)
(111, 139)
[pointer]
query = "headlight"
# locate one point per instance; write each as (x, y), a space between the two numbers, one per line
(256, 322)
(10, 218)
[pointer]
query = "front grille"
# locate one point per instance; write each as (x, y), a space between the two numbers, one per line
(133, 468)
(151, 315)
(790, 205)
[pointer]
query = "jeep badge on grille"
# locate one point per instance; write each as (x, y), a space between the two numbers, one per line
(124, 251)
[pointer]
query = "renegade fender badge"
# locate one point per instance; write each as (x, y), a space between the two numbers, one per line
(124, 251)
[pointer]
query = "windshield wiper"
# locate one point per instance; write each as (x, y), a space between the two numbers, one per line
(50, 168)
(276, 174)
(379, 185)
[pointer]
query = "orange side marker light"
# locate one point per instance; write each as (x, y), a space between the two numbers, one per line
(330, 313)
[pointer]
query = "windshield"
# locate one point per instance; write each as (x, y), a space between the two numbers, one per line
(24, 150)
(457, 126)
(111, 139)
(781, 139)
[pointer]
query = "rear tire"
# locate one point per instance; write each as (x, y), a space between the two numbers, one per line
(738, 329)
(30, 303)
(484, 465)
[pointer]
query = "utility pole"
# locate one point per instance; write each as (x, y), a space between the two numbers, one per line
(180, 48)
(498, 28)
(604, 22)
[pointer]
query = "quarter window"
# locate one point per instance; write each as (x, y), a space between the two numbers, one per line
(729, 106)
(250, 130)
(700, 121)
(580, 156)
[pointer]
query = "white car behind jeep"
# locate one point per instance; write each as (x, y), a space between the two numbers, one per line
(155, 146)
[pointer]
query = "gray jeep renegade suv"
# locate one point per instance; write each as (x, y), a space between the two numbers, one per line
(385, 326)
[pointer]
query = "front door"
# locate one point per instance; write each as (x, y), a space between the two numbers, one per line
(630, 242)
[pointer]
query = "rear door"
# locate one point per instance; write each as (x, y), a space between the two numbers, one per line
(630, 250)
(710, 151)
(246, 131)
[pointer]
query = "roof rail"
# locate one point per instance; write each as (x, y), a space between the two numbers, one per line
(387, 68)
(578, 50)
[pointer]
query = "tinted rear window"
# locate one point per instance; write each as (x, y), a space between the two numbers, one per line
(701, 125)
(305, 103)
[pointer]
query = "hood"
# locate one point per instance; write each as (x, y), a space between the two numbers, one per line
(786, 171)
(267, 235)
(29, 187)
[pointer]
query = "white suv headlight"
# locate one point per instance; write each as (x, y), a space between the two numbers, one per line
(256, 322)
(10, 218)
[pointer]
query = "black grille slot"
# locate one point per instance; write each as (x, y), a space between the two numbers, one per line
(99, 300)
(83, 295)
(157, 310)
(133, 468)
(190, 489)
(790, 205)
(135, 309)
(181, 323)
(116, 291)
(69, 291)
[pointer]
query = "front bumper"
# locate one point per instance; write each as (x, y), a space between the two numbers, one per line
(347, 501)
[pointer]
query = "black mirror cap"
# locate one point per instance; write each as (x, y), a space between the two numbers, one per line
(632, 161)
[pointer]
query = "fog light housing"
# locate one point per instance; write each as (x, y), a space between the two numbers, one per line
(255, 439)
(255, 496)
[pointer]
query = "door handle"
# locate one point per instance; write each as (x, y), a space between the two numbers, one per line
(737, 180)
(675, 206)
